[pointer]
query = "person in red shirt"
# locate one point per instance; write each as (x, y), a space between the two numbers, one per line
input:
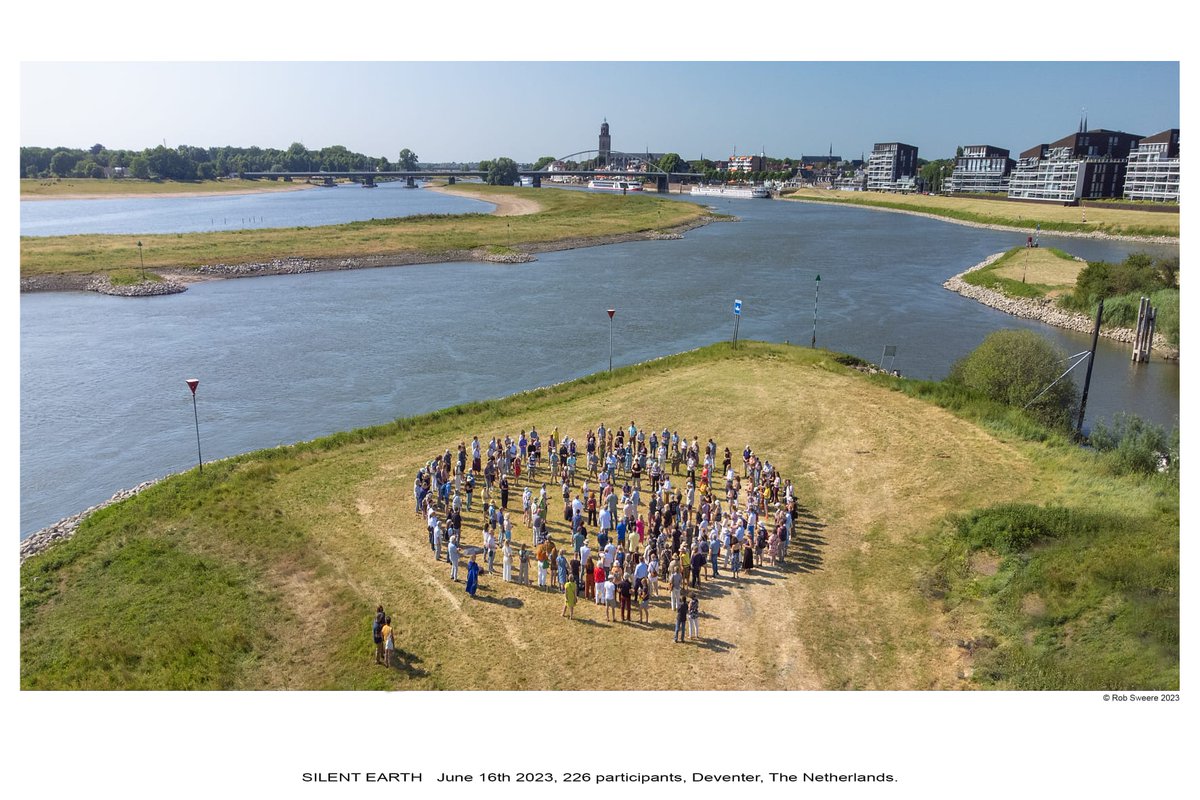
(600, 578)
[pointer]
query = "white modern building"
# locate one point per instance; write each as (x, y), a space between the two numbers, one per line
(1085, 165)
(981, 168)
(1152, 172)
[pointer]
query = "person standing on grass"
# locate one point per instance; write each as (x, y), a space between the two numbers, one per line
(589, 578)
(473, 575)
(570, 598)
(625, 590)
(610, 600)
(452, 557)
(389, 643)
(681, 619)
(489, 546)
(693, 617)
(523, 560)
(377, 634)
(504, 492)
(643, 600)
(676, 586)
(543, 566)
(561, 563)
(507, 562)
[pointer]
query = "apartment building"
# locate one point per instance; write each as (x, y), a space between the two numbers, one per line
(892, 167)
(980, 168)
(1085, 165)
(1152, 172)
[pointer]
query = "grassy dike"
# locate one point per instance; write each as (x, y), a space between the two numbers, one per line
(1025, 216)
(565, 217)
(264, 571)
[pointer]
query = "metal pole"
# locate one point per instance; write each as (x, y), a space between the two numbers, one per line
(196, 415)
(816, 300)
(611, 311)
(192, 383)
(736, 319)
(1087, 378)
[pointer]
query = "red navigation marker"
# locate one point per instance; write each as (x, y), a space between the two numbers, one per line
(611, 311)
(193, 383)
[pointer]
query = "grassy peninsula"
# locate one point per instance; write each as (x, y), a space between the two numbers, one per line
(944, 542)
(564, 217)
(1051, 217)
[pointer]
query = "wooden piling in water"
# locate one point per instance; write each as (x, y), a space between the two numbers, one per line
(1143, 339)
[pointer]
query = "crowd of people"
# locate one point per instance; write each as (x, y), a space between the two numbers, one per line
(640, 511)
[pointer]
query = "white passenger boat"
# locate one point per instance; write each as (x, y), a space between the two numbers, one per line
(614, 185)
(740, 192)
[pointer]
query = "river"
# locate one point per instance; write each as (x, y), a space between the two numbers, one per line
(288, 358)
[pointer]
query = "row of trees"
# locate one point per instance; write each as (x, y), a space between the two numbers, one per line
(187, 163)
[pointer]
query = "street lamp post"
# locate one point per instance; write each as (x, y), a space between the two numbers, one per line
(611, 311)
(816, 299)
(192, 384)
(141, 260)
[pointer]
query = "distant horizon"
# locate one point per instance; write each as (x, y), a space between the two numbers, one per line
(471, 111)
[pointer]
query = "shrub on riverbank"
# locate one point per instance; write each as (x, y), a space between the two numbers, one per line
(1136, 446)
(1122, 286)
(1023, 370)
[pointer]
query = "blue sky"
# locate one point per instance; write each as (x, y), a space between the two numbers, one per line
(471, 110)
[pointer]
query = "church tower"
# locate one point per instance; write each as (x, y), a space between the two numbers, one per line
(605, 147)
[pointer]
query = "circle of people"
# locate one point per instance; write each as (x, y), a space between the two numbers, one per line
(679, 532)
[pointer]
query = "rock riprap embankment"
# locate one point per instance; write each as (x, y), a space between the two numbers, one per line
(65, 529)
(103, 285)
(1044, 310)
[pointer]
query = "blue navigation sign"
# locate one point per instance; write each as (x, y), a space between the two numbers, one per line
(737, 307)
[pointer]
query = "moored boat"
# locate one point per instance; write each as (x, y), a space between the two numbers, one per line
(739, 192)
(614, 185)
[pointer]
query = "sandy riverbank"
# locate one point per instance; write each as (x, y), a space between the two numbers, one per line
(990, 226)
(506, 205)
(292, 187)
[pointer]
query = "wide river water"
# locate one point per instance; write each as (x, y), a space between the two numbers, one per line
(283, 359)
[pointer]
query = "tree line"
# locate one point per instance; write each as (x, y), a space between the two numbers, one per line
(188, 163)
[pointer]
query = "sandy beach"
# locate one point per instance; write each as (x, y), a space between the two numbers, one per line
(506, 206)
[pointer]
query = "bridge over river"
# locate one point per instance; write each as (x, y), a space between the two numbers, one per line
(621, 165)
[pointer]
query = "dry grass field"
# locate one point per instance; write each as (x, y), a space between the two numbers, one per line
(999, 212)
(1040, 266)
